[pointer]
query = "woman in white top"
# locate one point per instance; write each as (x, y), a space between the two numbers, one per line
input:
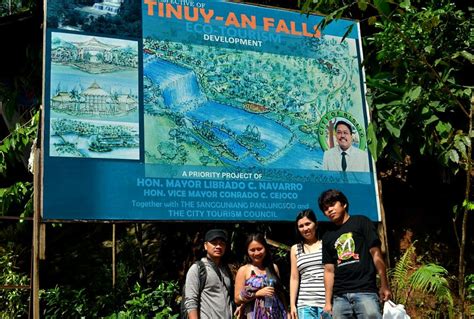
(307, 271)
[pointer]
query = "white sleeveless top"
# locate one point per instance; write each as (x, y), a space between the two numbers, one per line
(311, 269)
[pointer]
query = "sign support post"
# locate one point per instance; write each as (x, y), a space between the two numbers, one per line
(37, 247)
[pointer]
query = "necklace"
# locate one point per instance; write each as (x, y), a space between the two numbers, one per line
(257, 270)
(313, 247)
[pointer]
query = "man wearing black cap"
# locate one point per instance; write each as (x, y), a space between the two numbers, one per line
(214, 300)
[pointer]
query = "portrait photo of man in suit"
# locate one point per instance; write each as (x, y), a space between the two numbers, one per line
(345, 156)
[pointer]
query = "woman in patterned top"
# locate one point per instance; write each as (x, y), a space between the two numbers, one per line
(258, 289)
(307, 271)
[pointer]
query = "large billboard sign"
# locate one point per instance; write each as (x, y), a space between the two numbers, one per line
(201, 110)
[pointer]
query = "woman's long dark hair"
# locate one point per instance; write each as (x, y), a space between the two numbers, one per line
(267, 260)
(308, 213)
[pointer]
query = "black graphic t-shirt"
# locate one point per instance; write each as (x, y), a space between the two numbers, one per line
(348, 247)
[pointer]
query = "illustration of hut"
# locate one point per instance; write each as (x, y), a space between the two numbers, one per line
(96, 100)
(93, 50)
(125, 103)
(62, 101)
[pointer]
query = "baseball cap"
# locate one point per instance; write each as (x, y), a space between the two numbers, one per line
(215, 233)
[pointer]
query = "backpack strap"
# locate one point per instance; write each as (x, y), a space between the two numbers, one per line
(202, 275)
(230, 289)
(225, 268)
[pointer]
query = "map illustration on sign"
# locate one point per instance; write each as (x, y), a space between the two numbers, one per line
(215, 106)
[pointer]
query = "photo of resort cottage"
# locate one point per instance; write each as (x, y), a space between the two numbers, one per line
(94, 97)
(108, 17)
(212, 106)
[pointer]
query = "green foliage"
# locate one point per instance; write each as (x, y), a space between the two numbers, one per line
(400, 274)
(421, 48)
(148, 303)
(17, 198)
(470, 292)
(469, 205)
(158, 300)
(15, 6)
(13, 302)
(15, 148)
(414, 284)
(64, 302)
(431, 279)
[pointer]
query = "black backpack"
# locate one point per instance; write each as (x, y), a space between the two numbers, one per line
(202, 281)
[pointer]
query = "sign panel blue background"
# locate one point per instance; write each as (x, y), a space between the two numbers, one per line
(220, 111)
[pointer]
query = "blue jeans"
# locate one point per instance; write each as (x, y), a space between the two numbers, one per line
(309, 312)
(363, 305)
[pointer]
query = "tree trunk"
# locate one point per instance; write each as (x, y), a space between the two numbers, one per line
(462, 264)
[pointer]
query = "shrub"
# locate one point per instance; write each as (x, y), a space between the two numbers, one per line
(64, 302)
(148, 303)
(13, 302)
(422, 287)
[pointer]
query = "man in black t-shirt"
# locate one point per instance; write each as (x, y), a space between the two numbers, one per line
(351, 258)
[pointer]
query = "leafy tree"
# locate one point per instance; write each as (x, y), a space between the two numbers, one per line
(16, 7)
(16, 188)
(422, 104)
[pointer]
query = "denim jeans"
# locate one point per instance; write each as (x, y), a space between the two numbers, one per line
(309, 312)
(356, 305)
